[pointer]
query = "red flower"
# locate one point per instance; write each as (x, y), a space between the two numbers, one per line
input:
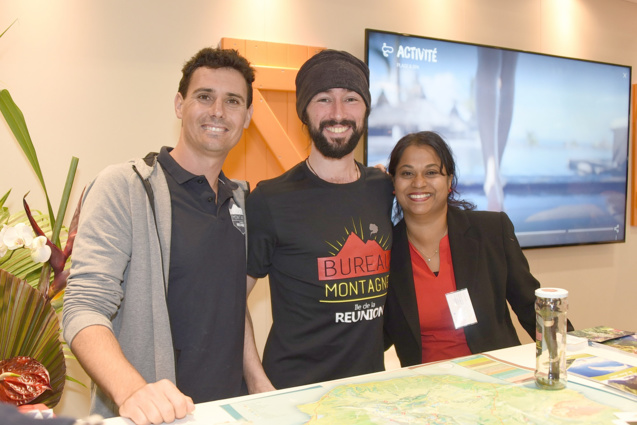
(22, 380)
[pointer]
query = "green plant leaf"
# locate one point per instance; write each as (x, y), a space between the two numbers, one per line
(66, 194)
(68, 378)
(4, 211)
(8, 28)
(4, 198)
(15, 119)
(30, 327)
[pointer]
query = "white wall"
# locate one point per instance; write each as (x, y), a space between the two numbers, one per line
(96, 79)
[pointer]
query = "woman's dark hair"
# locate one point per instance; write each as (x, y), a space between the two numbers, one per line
(215, 59)
(436, 142)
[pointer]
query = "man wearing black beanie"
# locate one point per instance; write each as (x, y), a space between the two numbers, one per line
(322, 232)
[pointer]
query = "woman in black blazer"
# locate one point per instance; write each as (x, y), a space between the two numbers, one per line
(442, 246)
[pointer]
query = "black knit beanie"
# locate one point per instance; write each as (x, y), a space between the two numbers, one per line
(330, 69)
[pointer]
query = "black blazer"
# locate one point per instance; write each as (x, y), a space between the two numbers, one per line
(488, 261)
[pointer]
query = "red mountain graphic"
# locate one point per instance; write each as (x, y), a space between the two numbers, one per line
(355, 259)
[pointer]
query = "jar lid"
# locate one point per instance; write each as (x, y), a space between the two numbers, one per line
(551, 293)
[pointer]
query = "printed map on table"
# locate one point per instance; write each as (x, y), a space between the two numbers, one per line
(470, 390)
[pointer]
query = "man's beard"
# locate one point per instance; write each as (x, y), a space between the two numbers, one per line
(339, 147)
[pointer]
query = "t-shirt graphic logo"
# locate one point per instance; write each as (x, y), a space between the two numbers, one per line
(355, 257)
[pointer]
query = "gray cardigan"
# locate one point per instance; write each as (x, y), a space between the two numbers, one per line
(116, 279)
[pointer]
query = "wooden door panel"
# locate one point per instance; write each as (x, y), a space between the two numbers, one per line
(275, 140)
(274, 134)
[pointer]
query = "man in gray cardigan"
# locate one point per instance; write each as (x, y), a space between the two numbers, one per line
(155, 304)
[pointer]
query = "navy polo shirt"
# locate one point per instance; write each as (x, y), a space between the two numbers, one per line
(206, 284)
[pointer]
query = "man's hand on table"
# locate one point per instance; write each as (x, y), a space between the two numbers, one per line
(156, 403)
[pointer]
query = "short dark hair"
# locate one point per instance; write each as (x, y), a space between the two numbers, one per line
(214, 59)
(447, 163)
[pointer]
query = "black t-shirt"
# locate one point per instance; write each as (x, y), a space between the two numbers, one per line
(206, 285)
(326, 249)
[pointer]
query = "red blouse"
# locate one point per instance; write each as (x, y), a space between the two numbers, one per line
(440, 339)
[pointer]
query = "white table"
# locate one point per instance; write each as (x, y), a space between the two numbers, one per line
(219, 412)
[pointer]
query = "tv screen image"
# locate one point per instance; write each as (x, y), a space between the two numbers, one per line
(541, 137)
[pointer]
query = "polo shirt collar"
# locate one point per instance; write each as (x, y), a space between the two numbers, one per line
(181, 175)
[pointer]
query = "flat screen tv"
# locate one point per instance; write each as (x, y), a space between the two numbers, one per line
(541, 137)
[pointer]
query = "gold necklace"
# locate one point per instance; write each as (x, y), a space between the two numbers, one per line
(427, 257)
(307, 161)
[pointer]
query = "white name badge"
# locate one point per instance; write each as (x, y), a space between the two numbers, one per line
(461, 308)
